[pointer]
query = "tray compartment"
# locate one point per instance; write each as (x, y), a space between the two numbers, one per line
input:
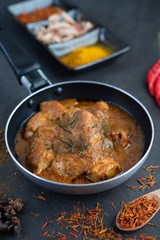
(57, 50)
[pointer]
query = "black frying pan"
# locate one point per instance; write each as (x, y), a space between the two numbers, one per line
(31, 76)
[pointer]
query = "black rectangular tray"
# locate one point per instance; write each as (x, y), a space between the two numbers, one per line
(98, 34)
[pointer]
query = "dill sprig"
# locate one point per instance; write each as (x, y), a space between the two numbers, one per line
(74, 145)
(106, 129)
(72, 123)
(63, 126)
(77, 145)
(95, 126)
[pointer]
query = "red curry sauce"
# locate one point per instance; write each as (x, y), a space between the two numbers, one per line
(84, 142)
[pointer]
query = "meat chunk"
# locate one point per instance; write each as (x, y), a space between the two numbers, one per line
(70, 141)
(69, 166)
(107, 147)
(87, 134)
(120, 137)
(104, 169)
(41, 153)
(100, 110)
(77, 144)
(52, 109)
(49, 111)
(34, 123)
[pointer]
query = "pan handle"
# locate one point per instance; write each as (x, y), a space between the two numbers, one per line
(28, 72)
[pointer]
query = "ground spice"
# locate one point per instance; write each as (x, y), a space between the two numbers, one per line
(3, 151)
(38, 14)
(85, 55)
(7, 183)
(137, 212)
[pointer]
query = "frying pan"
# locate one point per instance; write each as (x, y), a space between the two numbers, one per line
(40, 88)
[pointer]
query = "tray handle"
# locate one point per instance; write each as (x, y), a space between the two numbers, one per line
(28, 72)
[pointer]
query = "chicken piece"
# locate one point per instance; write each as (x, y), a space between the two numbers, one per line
(41, 153)
(69, 166)
(69, 104)
(87, 134)
(33, 124)
(104, 169)
(77, 145)
(100, 110)
(120, 138)
(52, 109)
(107, 147)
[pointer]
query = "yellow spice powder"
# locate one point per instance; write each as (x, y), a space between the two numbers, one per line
(85, 55)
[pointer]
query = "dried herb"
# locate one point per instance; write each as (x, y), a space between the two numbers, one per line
(35, 214)
(40, 197)
(89, 224)
(146, 182)
(137, 212)
(85, 224)
(154, 225)
(45, 224)
(152, 168)
(142, 237)
(112, 204)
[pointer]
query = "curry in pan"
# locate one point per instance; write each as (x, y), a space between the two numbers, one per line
(79, 142)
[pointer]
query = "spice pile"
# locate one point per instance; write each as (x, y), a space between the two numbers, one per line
(136, 213)
(9, 222)
(85, 55)
(7, 183)
(38, 14)
(153, 80)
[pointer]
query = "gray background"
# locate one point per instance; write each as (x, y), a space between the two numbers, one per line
(135, 22)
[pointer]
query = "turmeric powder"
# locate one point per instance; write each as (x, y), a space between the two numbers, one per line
(84, 55)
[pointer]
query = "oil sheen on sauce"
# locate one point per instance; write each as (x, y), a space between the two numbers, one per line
(117, 121)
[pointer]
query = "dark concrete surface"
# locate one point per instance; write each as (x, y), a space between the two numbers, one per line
(135, 22)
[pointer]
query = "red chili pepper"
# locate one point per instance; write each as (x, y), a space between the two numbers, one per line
(157, 90)
(152, 75)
